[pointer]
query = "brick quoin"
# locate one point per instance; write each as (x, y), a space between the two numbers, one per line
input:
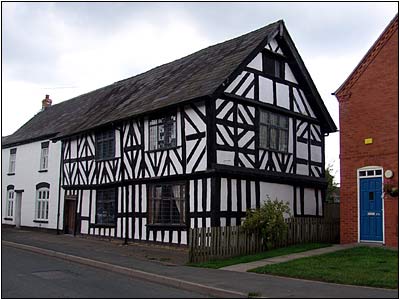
(368, 108)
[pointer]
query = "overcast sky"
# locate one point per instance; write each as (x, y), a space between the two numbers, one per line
(66, 49)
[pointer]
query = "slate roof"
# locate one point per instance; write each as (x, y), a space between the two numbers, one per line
(196, 75)
(191, 77)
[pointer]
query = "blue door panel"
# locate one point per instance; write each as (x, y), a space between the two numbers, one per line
(371, 209)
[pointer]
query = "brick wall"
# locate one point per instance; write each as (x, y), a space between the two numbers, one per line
(369, 109)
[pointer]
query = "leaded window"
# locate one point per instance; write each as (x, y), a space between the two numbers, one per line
(105, 206)
(274, 131)
(167, 204)
(44, 156)
(42, 204)
(105, 144)
(162, 133)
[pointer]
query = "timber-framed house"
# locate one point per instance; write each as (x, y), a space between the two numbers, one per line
(195, 143)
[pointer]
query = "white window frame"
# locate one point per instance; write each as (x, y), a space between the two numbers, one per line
(44, 157)
(12, 162)
(42, 204)
(10, 203)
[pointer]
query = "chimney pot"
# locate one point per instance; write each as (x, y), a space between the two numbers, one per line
(46, 102)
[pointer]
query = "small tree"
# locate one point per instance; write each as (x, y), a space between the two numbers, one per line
(332, 187)
(268, 220)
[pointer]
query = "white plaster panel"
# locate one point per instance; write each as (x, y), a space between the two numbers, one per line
(199, 195)
(320, 209)
(208, 194)
(253, 194)
(199, 222)
(191, 196)
(289, 74)
(316, 153)
(235, 82)
(256, 63)
(224, 193)
(302, 169)
(266, 92)
(302, 150)
(282, 95)
(309, 201)
(234, 194)
(144, 198)
(144, 222)
(282, 192)
(225, 157)
(243, 188)
(85, 203)
(245, 84)
(183, 238)
(298, 201)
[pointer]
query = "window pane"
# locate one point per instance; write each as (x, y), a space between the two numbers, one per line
(264, 117)
(263, 136)
(273, 119)
(283, 140)
(153, 137)
(283, 122)
(273, 138)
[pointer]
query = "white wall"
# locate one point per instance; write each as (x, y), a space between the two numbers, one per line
(27, 176)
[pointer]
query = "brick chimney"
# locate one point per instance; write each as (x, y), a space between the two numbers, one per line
(46, 102)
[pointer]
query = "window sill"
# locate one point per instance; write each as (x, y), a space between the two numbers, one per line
(274, 150)
(10, 174)
(105, 159)
(163, 149)
(171, 226)
(42, 171)
(8, 219)
(41, 221)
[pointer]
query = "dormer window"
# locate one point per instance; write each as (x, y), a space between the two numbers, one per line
(273, 66)
(105, 144)
(162, 132)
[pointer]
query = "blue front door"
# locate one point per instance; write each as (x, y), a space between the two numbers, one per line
(371, 209)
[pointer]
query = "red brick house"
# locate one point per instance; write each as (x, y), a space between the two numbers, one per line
(368, 107)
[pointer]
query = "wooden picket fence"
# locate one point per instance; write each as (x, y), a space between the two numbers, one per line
(222, 242)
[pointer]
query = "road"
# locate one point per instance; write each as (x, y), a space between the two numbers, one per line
(30, 275)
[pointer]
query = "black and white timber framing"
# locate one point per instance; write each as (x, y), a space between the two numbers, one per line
(217, 154)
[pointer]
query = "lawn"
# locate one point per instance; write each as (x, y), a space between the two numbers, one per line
(367, 266)
(216, 264)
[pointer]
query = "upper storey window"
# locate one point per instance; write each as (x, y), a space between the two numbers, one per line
(105, 144)
(13, 157)
(44, 156)
(273, 66)
(162, 133)
(274, 131)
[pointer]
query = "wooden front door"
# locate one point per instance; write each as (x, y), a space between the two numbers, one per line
(69, 216)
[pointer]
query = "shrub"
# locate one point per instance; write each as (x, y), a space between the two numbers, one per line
(268, 220)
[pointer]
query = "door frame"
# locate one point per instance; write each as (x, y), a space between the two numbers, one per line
(73, 199)
(18, 208)
(369, 168)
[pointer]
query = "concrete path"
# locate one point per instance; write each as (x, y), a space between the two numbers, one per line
(284, 258)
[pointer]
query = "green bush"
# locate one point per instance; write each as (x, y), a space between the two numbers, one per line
(268, 220)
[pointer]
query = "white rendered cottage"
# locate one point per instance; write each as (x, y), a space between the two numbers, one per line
(30, 177)
(196, 142)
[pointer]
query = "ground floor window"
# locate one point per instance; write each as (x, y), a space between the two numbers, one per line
(105, 206)
(10, 203)
(42, 204)
(167, 204)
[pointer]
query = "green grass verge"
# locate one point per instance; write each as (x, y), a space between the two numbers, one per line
(367, 266)
(216, 264)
